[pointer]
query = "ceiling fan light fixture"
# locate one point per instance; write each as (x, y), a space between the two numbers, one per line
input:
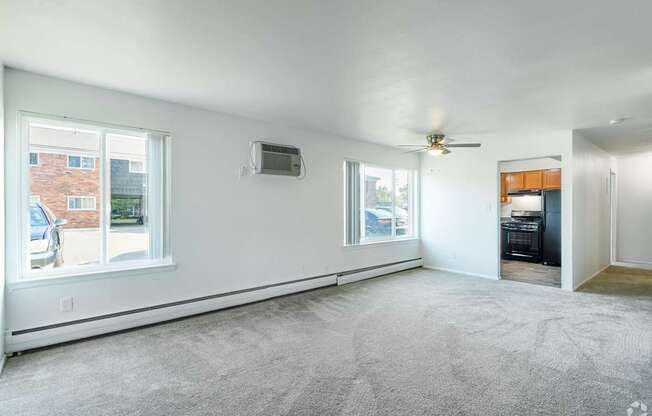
(437, 145)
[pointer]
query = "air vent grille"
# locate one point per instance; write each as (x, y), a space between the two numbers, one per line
(280, 149)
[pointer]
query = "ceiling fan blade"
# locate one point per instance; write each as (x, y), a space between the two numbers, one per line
(445, 152)
(423, 149)
(463, 145)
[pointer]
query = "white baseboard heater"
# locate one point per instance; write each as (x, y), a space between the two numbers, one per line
(370, 272)
(30, 338)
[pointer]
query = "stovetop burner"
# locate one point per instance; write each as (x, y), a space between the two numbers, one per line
(525, 220)
(525, 217)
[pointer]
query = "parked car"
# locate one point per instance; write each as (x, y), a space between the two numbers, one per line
(378, 222)
(401, 219)
(118, 219)
(46, 243)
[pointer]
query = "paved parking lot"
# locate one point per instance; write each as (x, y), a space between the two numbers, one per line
(126, 242)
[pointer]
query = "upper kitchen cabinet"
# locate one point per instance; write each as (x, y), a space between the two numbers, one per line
(552, 179)
(533, 179)
(504, 188)
(515, 181)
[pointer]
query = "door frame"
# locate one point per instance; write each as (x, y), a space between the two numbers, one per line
(566, 264)
(613, 216)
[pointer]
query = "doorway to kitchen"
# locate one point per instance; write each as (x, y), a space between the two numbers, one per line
(530, 220)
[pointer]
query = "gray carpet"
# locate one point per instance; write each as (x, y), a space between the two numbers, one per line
(415, 343)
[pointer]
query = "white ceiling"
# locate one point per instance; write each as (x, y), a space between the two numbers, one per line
(632, 136)
(377, 70)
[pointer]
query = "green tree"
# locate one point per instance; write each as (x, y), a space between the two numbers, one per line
(383, 195)
(402, 195)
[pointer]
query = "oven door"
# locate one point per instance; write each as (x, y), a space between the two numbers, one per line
(521, 244)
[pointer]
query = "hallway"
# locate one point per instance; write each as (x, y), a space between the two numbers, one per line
(621, 281)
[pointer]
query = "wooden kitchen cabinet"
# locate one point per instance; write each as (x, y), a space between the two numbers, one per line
(504, 188)
(552, 179)
(515, 181)
(533, 179)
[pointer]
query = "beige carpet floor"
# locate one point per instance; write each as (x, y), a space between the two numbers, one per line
(621, 281)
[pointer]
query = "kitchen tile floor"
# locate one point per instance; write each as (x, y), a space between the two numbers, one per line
(537, 274)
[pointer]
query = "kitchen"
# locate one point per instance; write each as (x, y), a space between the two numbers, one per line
(530, 224)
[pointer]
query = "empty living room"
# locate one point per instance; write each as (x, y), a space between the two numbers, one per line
(303, 207)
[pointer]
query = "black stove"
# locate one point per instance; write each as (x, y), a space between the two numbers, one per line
(522, 236)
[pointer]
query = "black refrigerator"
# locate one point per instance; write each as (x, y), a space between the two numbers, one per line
(552, 227)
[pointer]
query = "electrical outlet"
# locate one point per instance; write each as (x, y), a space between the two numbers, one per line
(66, 304)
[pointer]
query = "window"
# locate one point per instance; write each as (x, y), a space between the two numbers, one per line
(88, 163)
(33, 158)
(106, 219)
(380, 203)
(136, 166)
(81, 162)
(81, 203)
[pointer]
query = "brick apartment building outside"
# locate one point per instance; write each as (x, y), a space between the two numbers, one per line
(64, 164)
(53, 182)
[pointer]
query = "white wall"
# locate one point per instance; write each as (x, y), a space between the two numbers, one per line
(2, 221)
(228, 233)
(460, 201)
(591, 228)
(634, 209)
(530, 164)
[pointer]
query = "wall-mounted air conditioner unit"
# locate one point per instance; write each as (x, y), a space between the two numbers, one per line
(276, 159)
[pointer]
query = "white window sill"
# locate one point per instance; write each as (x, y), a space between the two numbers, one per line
(83, 274)
(369, 244)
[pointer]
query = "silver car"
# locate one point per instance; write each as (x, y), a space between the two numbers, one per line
(46, 237)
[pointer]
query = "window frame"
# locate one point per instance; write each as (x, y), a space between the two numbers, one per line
(81, 197)
(160, 255)
(81, 161)
(38, 159)
(86, 158)
(144, 170)
(413, 213)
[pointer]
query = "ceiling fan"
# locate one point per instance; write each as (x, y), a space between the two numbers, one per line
(437, 145)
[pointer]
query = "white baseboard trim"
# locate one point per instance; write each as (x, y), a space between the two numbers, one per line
(368, 274)
(26, 341)
(585, 281)
(444, 269)
(633, 265)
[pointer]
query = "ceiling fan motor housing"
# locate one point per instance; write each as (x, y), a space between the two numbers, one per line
(435, 138)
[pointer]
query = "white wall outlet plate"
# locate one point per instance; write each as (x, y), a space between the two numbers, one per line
(244, 171)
